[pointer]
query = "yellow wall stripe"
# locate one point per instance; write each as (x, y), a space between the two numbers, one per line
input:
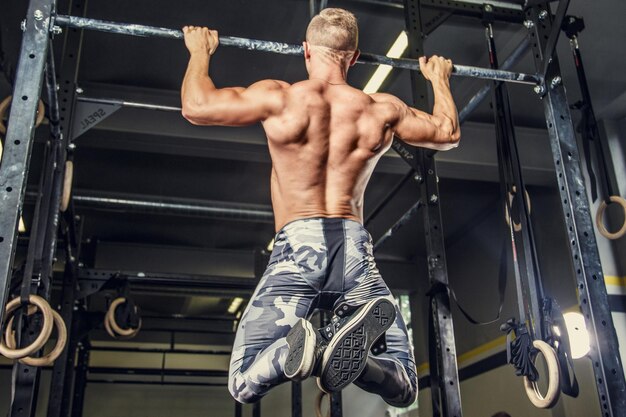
(616, 281)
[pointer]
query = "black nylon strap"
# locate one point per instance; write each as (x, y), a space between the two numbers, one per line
(587, 137)
(502, 282)
(560, 342)
(520, 351)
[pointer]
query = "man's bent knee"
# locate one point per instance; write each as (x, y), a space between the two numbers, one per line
(242, 394)
(240, 389)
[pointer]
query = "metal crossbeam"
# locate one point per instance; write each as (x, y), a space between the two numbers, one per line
(285, 48)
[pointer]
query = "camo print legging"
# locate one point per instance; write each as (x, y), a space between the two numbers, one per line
(317, 263)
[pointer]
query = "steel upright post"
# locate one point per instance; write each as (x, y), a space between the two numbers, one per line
(296, 399)
(592, 294)
(60, 400)
(256, 409)
(446, 394)
(20, 133)
(80, 383)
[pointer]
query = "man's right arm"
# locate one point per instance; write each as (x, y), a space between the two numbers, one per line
(439, 130)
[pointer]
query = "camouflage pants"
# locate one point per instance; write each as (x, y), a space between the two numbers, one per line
(317, 263)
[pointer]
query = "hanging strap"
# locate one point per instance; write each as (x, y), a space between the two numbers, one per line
(520, 351)
(560, 342)
(586, 132)
(502, 283)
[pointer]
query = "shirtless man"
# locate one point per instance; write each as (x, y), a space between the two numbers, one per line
(325, 139)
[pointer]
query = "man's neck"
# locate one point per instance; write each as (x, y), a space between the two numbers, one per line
(332, 73)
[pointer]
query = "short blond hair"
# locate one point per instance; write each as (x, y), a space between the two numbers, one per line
(335, 29)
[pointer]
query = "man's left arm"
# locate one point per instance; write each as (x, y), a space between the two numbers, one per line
(205, 104)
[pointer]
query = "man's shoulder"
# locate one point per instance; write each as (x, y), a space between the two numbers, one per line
(270, 84)
(384, 98)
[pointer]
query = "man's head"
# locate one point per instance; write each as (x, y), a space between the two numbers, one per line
(334, 32)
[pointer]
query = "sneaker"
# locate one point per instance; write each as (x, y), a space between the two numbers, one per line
(345, 356)
(305, 348)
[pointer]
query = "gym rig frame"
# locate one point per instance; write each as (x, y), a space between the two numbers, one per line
(36, 66)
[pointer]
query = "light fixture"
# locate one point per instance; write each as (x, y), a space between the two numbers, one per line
(270, 246)
(578, 334)
(235, 304)
(381, 73)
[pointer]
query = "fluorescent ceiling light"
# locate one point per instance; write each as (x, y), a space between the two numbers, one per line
(381, 73)
(235, 304)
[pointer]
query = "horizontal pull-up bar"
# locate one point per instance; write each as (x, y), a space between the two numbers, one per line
(285, 48)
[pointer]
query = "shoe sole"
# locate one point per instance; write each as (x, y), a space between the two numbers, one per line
(346, 355)
(299, 363)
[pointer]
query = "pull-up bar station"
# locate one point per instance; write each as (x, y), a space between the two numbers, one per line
(285, 48)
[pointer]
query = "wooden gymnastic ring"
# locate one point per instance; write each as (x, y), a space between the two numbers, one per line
(600, 218)
(43, 336)
(48, 359)
(67, 185)
(107, 327)
(4, 106)
(554, 387)
(113, 326)
(516, 226)
(318, 404)
(130, 332)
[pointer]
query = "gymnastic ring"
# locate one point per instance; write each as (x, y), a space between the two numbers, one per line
(516, 226)
(600, 218)
(114, 327)
(110, 317)
(67, 185)
(532, 389)
(107, 327)
(4, 106)
(318, 404)
(49, 358)
(43, 336)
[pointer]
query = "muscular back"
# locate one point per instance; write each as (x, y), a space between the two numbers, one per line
(324, 138)
(324, 145)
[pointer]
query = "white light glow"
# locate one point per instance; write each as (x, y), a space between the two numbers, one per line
(381, 73)
(270, 246)
(235, 304)
(578, 335)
